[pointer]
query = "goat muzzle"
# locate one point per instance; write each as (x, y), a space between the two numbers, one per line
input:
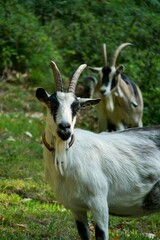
(64, 130)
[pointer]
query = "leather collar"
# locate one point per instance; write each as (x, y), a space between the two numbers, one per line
(52, 148)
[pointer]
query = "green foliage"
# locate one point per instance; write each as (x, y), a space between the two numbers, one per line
(24, 46)
(72, 34)
(79, 29)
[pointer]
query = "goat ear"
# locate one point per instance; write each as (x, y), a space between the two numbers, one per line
(87, 102)
(95, 69)
(42, 95)
(120, 69)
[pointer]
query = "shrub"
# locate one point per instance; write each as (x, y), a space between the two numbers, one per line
(25, 46)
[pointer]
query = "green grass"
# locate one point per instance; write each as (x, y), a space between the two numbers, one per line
(28, 209)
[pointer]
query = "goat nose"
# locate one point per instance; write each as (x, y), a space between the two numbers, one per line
(64, 125)
(64, 130)
(102, 91)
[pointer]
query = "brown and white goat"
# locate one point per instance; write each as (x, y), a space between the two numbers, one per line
(107, 173)
(122, 102)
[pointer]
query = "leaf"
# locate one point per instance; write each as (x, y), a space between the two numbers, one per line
(149, 235)
(28, 134)
(11, 139)
(21, 225)
(35, 115)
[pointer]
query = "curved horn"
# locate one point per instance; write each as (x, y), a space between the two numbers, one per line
(116, 53)
(57, 77)
(104, 55)
(75, 77)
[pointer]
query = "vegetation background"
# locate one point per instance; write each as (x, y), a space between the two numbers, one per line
(69, 32)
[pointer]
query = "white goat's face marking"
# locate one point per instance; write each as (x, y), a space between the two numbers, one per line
(109, 81)
(63, 109)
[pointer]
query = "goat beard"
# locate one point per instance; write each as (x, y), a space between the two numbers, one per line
(110, 104)
(60, 156)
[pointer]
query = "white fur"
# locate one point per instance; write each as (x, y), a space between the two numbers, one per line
(64, 111)
(104, 171)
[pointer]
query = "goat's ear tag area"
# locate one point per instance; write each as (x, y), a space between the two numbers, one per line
(41, 95)
(84, 102)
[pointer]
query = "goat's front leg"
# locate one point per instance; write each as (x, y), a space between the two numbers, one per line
(82, 224)
(101, 218)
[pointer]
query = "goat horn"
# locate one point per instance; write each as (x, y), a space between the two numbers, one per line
(57, 77)
(116, 53)
(104, 55)
(75, 77)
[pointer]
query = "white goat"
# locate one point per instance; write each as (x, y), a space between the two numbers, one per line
(109, 173)
(122, 102)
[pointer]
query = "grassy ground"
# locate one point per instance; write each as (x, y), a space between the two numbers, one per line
(28, 209)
